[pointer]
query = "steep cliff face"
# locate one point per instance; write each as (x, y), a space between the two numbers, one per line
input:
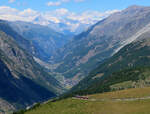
(6, 107)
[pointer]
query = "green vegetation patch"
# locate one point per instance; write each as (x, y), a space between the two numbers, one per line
(79, 106)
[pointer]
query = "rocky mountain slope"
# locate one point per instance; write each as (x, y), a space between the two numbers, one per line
(20, 91)
(129, 68)
(31, 48)
(22, 80)
(90, 48)
(45, 39)
(6, 107)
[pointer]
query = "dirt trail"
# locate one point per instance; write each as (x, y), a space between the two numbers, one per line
(115, 99)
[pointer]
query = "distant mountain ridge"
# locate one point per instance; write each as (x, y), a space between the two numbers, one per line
(74, 26)
(43, 38)
(90, 48)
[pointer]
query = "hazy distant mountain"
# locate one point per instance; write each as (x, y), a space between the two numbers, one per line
(88, 49)
(30, 47)
(45, 39)
(66, 26)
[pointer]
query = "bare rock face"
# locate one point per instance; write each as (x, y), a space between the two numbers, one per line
(6, 107)
(101, 41)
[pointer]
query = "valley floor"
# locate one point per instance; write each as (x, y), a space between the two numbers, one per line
(131, 101)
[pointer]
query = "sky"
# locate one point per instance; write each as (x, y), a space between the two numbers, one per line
(72, 5)
(83, 11)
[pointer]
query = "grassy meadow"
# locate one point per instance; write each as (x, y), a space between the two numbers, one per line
(79, 106)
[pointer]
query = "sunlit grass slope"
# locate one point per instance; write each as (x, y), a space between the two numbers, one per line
(78, 106)
(128, 93)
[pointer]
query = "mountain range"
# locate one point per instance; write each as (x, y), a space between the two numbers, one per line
(128, 67)
(23, 81)
(38, 62)
(74, 26)
(43, 38)
(90, 48)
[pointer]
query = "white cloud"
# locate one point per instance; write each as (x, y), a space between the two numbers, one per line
(58, 12)
(54, 3)
(28, 12)
(60, 2)
(12, 14)
(11, 1)
(57, 3)
(74, 20)
(89, 17)
(8, 10)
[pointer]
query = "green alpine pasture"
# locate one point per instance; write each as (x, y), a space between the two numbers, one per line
(94, 105)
